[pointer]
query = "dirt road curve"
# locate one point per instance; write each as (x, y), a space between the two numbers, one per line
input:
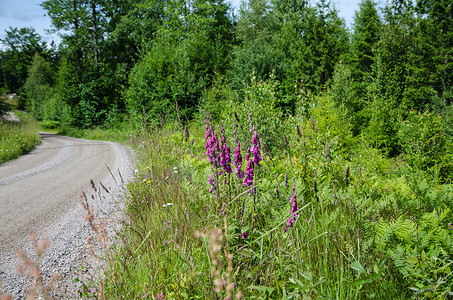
(39, 192)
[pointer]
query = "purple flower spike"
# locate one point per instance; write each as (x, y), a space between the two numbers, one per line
(238, 160)
(226, 159)
(294, 209)
(256, 149)
(248, 181)
(212, 183)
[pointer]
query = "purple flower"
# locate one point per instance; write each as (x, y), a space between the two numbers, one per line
(256, 149)
(212, 183)
(238, 160)
(251, 163)
(225, 156)
(248, 181)
(244, 235)
(294, 209)
(212, 143)
(160, 296)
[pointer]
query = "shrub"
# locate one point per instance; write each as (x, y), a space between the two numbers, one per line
(425, 144)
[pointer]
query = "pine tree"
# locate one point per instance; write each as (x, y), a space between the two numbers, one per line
(367, 29)
(433, 61)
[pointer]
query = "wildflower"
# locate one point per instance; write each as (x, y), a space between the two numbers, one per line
(238, 160)
(244, 235)
(226, 160)
(212, 183)
(212, 143)
(248, 181)
(212, 147)
(294, 209)
(256, 149)
(160, 296)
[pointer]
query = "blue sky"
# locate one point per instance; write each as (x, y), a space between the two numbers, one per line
(28, 13)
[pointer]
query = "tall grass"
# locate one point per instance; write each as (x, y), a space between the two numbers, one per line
(327, 216)
(18, 138)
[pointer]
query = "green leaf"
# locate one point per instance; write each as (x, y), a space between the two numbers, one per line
(358, 267)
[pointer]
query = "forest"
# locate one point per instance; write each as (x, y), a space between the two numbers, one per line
(345, 190)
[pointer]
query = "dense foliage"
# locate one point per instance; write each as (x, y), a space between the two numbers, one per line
(354, 124)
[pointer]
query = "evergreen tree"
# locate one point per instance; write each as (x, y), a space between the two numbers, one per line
(258, 34)
(367, 28)
(432, 67)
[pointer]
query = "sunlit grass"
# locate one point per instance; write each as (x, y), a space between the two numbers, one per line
(18, 138)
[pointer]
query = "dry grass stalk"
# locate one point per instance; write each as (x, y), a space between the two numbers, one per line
(222, 286)
(30, 269)
(99, 230)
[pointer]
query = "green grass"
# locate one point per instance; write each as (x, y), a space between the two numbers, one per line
(18, 138)
(120, 134)
(369, 232)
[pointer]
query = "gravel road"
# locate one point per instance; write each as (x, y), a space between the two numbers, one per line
(40, 192)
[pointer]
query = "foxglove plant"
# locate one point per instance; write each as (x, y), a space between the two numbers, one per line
(212, 143)
(251, 163)
(248, 181)
(212, 183)
(212, 150)
(256, 149)
(225, 156)
(237, 157)
(294, 209)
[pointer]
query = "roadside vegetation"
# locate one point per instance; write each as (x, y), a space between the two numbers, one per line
(281, 155)
(17, 138)
(312, 212)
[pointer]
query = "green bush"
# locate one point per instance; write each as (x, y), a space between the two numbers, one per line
(259, 108)
(425, 144)
(216, 98)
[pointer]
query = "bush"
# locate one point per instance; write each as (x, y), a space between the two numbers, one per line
(425, 144)
(50, 124)
(259, 104)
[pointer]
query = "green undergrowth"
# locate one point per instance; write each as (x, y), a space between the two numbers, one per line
(120, 134)
(18, 138)
(363, 226)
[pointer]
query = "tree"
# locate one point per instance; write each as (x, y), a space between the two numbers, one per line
(94, 80)
(391, 72)
(20, 44)
(38, 85)
(432, 70)
(367, 29)
(258, 33)
(189, 47)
